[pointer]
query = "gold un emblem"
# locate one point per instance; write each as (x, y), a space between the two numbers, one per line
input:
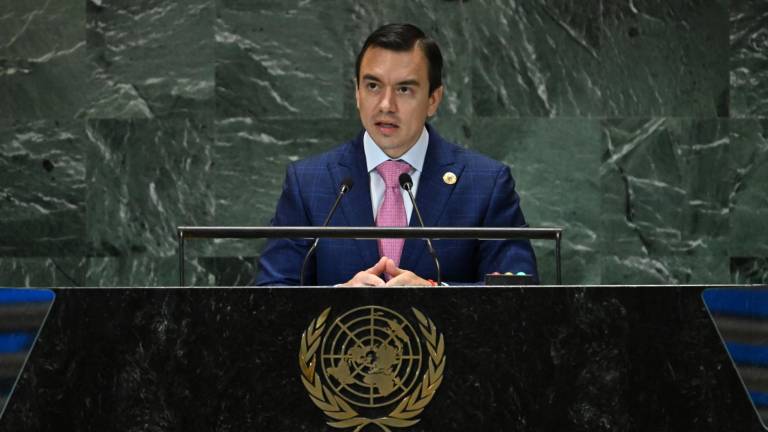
(370, 367)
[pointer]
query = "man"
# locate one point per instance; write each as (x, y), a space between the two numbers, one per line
(398, 86)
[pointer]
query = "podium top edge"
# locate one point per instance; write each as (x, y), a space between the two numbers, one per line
(486, 233)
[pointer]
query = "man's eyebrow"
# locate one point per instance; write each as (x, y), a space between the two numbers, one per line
(369, 77)
(409, 82)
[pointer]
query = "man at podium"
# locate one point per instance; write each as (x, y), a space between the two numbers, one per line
(398, 86)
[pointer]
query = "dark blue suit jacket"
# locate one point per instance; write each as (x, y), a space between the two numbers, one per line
(483, 196)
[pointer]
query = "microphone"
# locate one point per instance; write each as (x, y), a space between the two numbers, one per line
(346, 185)
(406, 182)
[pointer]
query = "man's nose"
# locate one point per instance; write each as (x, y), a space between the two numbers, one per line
(388, 102)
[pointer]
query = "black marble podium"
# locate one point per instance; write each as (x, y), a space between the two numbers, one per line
(517, 359)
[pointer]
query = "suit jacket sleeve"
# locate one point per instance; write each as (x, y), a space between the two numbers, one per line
(504, 211)
(280, 262)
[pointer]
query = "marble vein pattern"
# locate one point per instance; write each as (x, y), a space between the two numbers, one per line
(666, 185)
(749, 58)
(43, 72)
(151, 58)
(42, 193)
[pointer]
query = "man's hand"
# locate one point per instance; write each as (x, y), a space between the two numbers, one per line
(369, 277)
(400, 277)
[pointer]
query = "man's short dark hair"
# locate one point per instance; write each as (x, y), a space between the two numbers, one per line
(403, 37)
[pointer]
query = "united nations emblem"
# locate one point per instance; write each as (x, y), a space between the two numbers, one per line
(370, 367)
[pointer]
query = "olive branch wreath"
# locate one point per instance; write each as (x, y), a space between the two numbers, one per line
(338, 409)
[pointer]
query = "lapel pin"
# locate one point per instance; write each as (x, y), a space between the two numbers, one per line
(449, 178)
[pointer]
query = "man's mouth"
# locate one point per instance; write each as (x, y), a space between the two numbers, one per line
(386, 127)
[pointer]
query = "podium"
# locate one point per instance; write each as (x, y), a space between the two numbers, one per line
(545, 358)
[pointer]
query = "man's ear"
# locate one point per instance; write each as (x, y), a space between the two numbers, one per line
(357, 93)
(434, 101)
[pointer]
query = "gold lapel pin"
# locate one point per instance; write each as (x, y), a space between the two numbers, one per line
(449, 178)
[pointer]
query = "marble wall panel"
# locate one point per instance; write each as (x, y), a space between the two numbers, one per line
(32, 27)
(267, 66)
(42, 188)
(555, 163)
(666, 187)
(145, 178)
(201, 268)
(749, 270)
(43, 73)
(660, 58)
(555, 58)
(749, 58)
(43, 272)
(144, 270)
(227, 271)
(151, 58)
(534, 58)
(749, 214)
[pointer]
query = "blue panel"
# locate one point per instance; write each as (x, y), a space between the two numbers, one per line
(759, 398)
(18, 295)
(737, 302)
(15, 342)
(744, 354)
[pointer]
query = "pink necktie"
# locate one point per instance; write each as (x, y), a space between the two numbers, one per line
(392, 210)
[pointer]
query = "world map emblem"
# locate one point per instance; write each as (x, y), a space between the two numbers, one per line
(371, 367)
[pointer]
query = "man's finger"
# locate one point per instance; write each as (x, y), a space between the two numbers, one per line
(367, 279)
(407, 278)
(392, 270)
(398, 280)
(364, 278)
(379, 267)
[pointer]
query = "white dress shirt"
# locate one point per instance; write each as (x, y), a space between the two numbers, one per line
(374, 156)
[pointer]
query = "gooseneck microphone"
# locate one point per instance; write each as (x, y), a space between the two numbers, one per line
(346, 185)
(406, 182)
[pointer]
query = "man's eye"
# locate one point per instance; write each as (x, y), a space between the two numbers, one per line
(373, 86)
(404, 90)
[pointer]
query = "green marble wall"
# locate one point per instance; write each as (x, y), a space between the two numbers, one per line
(640, 126)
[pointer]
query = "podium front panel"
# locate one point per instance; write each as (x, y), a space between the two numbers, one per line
(429, 359)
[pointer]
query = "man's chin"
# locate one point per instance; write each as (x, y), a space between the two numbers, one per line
(382, 139)
(391, 144)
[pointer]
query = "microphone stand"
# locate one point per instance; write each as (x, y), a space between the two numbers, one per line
(346, 185)
(407, 183)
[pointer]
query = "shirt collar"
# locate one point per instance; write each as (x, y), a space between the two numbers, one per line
(374, 156)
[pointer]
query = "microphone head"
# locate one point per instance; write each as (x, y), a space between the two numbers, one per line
(406, 182)
(346, 184)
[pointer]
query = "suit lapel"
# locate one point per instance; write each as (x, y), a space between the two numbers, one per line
(356, 206)
(432, 194)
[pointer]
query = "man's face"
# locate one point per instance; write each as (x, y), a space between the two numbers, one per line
(393, 97)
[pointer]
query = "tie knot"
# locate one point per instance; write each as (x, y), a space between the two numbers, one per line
(390, 171)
